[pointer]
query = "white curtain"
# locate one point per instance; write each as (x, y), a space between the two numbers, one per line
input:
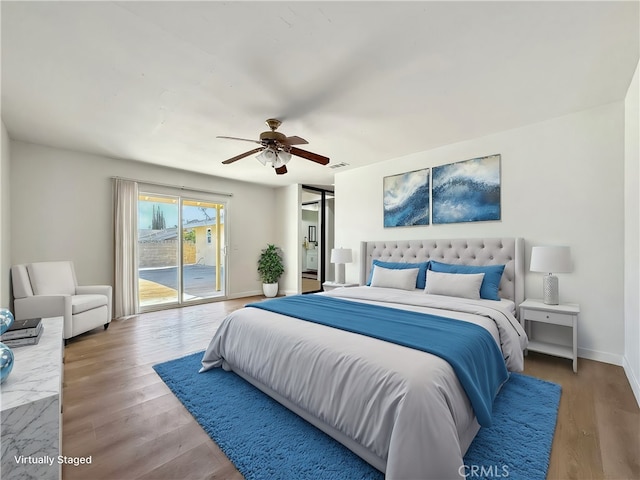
(126, 248)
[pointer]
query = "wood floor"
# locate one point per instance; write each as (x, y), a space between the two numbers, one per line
(310, 285)
(119, 412)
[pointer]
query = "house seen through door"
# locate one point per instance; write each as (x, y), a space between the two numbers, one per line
(180, 250)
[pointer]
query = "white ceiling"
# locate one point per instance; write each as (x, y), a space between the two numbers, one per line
(363, 82)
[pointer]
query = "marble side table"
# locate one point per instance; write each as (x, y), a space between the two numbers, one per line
(31, 401)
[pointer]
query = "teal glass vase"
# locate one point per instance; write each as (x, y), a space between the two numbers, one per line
(6, 355)
(6, 362)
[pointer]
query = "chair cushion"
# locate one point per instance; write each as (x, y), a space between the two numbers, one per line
(52, 278)
(82, 303)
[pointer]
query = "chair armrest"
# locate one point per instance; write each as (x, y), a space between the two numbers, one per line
(97, 290)
(94, 290)
(41, 306)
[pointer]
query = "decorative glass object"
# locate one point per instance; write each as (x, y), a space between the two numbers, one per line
(6, 320)
(6, 362)
(6, 355)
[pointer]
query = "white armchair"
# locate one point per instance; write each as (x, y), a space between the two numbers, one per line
(50, 289)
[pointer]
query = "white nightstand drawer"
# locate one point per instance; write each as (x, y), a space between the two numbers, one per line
(549, 317)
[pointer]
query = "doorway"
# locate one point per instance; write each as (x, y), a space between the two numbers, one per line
(316, 237)
(180, 250)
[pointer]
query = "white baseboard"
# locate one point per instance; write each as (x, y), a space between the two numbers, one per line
(253, 293)
(633, 380)
(600, 356)
(250, 293)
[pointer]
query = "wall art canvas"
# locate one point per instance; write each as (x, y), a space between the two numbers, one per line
(406, 199)
(467, 191)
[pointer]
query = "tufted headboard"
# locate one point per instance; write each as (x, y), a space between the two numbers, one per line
(465, 251)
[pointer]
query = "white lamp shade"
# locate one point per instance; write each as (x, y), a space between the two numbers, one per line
(551, 259)
(341, 255)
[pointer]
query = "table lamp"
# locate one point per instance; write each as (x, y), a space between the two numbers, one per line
(340, 256)
(550, 259)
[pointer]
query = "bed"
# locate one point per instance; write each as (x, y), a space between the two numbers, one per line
(405, 410)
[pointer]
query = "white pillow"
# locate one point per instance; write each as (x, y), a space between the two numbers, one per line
(464, 285)
(404, 279)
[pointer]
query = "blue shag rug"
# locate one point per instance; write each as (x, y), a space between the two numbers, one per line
(264, 440)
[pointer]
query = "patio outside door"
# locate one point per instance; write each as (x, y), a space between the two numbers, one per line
(180, 250)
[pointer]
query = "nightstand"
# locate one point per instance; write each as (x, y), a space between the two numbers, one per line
(326, 286)
(565, 315)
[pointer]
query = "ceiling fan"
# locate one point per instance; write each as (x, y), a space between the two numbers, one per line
(276, 148)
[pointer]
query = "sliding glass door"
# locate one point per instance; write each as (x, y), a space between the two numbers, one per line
(202, 250)
(180, 250)
(158, 249)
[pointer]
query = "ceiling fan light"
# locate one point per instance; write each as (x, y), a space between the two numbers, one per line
(282, 158)
(267, 155)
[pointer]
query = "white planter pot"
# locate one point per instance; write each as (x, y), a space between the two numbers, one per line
(270, 289)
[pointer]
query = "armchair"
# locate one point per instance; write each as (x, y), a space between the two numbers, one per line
(50, 289)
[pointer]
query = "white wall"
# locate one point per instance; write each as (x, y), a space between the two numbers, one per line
(61, 208)
(632, 236)
(561, 184)
(288, 214)
(329, 239)
(5, 218)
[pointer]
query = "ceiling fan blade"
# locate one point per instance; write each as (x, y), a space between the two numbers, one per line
(314, 157)
(295, 140)
(242, 155)
(281, 170)
(242, 139)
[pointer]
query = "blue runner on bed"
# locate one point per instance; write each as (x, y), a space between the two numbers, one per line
(469, 348)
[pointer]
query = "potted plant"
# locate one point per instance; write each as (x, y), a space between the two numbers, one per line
(270, 268)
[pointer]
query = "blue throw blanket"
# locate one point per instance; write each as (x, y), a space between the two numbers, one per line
(468, 348)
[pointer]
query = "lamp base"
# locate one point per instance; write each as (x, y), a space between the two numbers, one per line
(340, 273)
(550, 290)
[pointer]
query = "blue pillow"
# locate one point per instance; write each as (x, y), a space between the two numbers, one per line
(421, 281)
(490, 283)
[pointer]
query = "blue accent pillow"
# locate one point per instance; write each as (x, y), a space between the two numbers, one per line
(490, 283)
(421, 281)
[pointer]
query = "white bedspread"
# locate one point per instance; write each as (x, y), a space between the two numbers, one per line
(406, 407)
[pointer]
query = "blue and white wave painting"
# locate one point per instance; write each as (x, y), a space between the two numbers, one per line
(406, 199)
(467, 191)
